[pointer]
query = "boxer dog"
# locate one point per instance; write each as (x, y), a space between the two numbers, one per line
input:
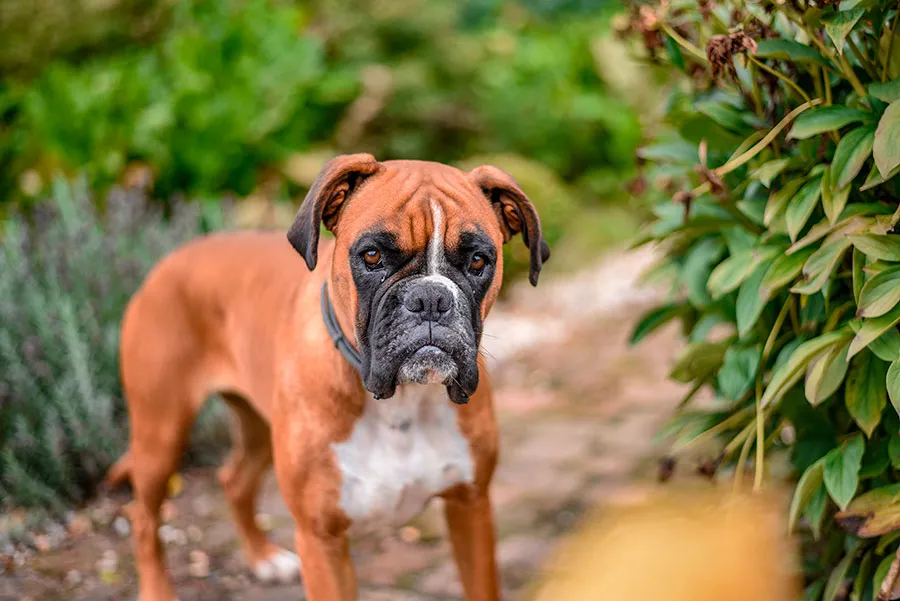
(361, 379)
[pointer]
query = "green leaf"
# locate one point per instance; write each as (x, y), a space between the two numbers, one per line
(892, 380)
(723, 114)
(825, 373)
(833, 201)
(859, 277)
(815, 511)
(887, 140)
(787, 50)
(841, 473)
(887, 346)
(801, 207)
(894, 451)
(820, 265)
(862, 579)
(766, 172)
(656, 318)
(674, 51)
(784, 270)
(738, 371)
(883, 248)
(837, 577)
(865, 394)
(888, 91)
(826, 118)
(778, 199)
(792, 370)
(730, 273)
(750, 303)
(881, 571)
(873, 328)
(851, 154)
(698, 361)
(809, 483)
(880, 294)
(698, 264)
(873, 513)
(840, 24)
(874, 178)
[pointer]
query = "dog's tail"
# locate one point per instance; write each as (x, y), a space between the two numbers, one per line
(119, 472)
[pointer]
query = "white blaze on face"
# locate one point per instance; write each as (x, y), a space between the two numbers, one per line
(436, 252)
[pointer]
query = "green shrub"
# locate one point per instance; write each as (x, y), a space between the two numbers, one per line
(66, 274)
(777, 206)
(221, 97)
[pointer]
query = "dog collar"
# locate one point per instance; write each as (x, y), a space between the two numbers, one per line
(341, 342)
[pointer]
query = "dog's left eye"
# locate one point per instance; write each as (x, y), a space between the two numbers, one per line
(476, 266)
(372, 257)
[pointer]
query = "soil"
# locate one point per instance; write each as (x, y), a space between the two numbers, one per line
(578, 409)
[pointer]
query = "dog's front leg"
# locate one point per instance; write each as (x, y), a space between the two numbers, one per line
(328, 573)
(471, 524)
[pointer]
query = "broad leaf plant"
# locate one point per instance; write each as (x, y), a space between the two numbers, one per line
(775, 179)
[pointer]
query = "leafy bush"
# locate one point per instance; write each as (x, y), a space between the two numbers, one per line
(66, 273)
(775, 175)
(229, 90)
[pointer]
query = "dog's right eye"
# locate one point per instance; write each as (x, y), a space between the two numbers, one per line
(372, 258)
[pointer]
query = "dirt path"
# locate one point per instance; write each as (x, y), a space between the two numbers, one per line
(578, 409)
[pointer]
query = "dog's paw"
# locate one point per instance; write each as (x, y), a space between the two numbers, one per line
(280, 567)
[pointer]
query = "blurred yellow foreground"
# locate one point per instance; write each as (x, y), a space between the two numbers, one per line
(680, 546)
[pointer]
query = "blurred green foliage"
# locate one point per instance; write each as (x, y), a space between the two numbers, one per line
(216, 95)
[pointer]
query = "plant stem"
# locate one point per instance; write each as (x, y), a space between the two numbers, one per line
(734, 163)
(887, 57)
(760, 435)
(773, 335)
(742, 459)
(698, 54)
(826, 80)
(799, 91)
(729, 422)
(694, 390)
(851, 75)
(863, 60)
(795, 320)
(757, 94)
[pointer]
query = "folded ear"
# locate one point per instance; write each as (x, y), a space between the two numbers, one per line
(515, 213)
(323, 203)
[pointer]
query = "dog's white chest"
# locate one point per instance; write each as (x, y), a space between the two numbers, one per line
(402, 452)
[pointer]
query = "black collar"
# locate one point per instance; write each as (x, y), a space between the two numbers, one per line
(341, 342)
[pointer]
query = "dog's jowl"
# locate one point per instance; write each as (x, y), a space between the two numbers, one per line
(357, 374)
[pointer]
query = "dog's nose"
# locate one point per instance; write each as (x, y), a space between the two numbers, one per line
(429, 300)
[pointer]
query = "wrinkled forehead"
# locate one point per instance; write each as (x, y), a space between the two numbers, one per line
(415, 201)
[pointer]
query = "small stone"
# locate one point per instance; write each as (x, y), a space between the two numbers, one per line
(172, 536)
(410, 535)
(176, 485)
(202, 506)
(122, 527)
(74, 578)
(167, 511)
(199, 564)
(264, 521)
(108, 566)
(79, 525)
(42, 543)
(194, 534)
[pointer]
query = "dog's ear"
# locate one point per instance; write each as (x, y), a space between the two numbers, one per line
(323, 203)
(515, 212)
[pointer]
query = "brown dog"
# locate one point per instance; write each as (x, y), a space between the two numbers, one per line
(362, 433)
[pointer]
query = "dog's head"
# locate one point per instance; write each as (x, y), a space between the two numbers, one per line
(417, 262)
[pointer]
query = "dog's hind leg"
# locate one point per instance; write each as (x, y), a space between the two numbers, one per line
(156, 449)
(241, 477)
